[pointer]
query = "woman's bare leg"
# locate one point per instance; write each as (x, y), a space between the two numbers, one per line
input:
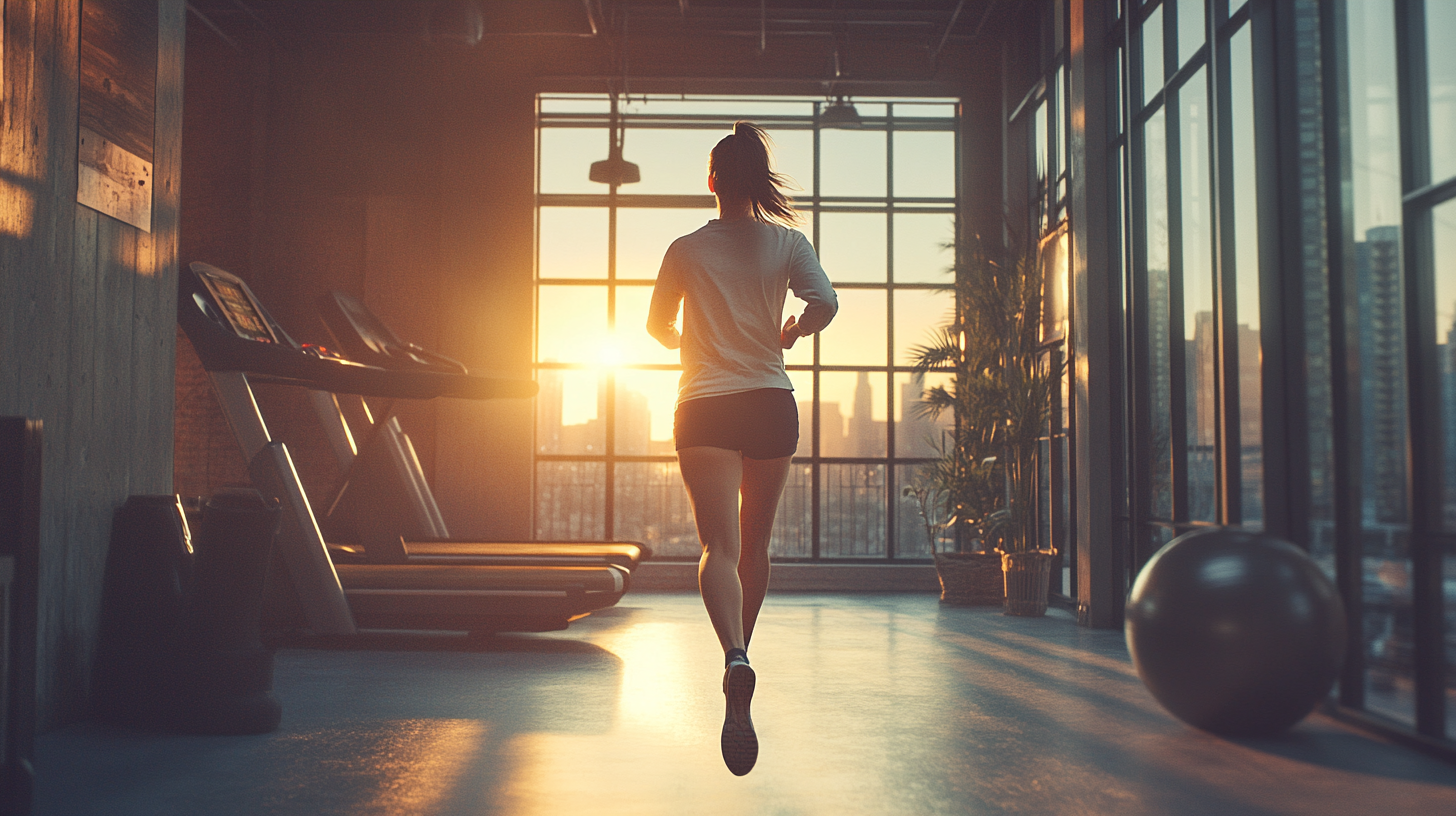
(713, 477)
(762, 485)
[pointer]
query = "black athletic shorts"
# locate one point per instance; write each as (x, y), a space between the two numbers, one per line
(762, 424)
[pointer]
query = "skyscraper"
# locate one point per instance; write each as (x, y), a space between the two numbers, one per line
(1382, 375)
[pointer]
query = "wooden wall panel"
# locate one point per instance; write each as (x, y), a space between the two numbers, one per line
(119, 72)
(155, 310)
(87, 333)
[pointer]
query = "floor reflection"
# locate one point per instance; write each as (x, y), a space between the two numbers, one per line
(867, 704)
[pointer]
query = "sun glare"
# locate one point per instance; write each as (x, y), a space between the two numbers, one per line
(610, 354)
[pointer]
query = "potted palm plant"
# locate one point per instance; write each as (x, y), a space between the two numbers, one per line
(1000, 396)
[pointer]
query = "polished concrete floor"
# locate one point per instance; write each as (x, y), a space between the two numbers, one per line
(867, 704)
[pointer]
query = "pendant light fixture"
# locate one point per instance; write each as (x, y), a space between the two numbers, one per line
(838, 113)
(615, 170)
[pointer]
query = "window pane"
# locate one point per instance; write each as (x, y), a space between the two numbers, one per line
(571, 323)
(793, 531)
(857, 335)
(1062, 95)
(914, 531)
(905, 110)
(730, 108)
(569, 419)
(1039, 150)
(919, 314)
(652, 507)
(852, 162)
(566, 158)
(924, 247)
(646, 401)
(1246, 265)
(852, 413)
(571, 501)
(1444, 223)
(852, 246)
(632, 345)
(1314, 280)
(1152, 35)
(1190, 28)
(673, 162)
(793, 156)
(918, 434)
(925, 164)
(1441, 76)
(569, 104)
(573, 242)
(853, 507)
(1159, 336)
(1376, 229)
(1198, 314)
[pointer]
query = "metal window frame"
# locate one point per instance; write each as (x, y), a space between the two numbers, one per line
(890, 205)
(1212, 56)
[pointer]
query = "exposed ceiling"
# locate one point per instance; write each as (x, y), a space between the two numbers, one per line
(853, 46)
(773, 23)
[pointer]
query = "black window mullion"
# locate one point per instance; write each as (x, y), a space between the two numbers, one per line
(1426, 448)
(1177, 345)
(1229, 443)
(1140, 357)
(890, 503)
(815, 476)
(1344, 310)
(610, 443)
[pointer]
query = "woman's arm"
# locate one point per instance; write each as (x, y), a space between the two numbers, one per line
(664, 331)
(662, 313)
(811, 285)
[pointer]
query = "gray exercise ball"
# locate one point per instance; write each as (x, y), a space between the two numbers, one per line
(1235, 633)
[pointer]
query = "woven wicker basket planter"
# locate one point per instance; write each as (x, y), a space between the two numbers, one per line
(1028, 577)
(970, 579)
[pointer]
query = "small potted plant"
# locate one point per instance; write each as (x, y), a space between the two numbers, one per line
(969, 575)
(1000, 396)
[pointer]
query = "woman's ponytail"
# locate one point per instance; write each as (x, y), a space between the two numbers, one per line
(742, 168)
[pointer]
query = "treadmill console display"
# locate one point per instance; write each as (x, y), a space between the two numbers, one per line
(241, 312)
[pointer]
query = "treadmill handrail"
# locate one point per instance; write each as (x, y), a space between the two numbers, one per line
(220, 348)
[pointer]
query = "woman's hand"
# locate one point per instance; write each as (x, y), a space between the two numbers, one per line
(790, 333)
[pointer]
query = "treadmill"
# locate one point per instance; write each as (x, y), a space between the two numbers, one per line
(385, 500)
(239, 343)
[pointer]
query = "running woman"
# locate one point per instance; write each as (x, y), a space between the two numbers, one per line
(737, 425)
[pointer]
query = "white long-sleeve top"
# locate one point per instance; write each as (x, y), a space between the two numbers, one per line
(731, 278)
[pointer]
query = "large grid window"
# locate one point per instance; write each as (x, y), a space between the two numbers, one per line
(1294, 162)
(879, 203)
(1192, 264)
(1037, 139)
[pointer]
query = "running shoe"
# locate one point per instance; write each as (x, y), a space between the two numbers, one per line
(740, 743)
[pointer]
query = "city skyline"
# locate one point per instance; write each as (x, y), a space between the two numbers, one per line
(859, 434)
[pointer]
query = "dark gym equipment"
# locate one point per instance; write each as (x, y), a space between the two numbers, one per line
(143, 602)
(1236, 633)
(179, 647)
(237, 342)
(223, 672)
(20, 497)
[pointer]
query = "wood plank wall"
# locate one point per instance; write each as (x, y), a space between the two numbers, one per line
(87, 316)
